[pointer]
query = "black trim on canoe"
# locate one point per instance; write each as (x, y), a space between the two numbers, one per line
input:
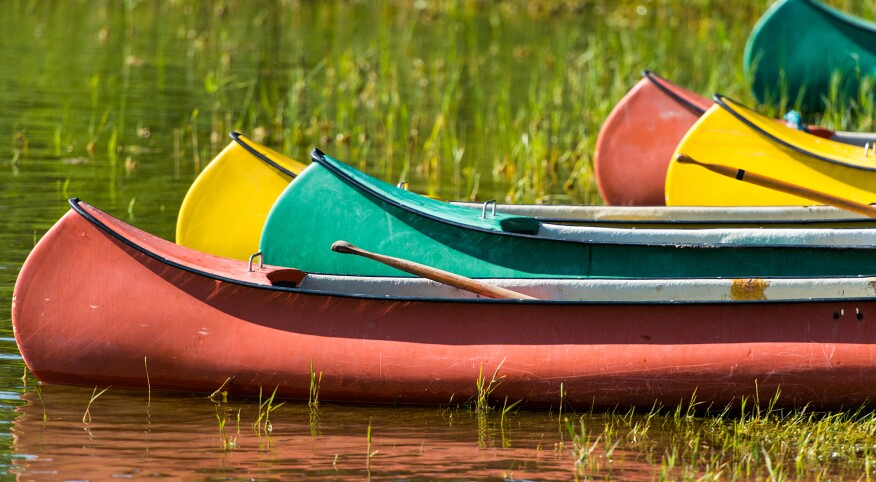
(719, 99)
(319, 158)
(658, 82)
(74, 205)
(259, 155)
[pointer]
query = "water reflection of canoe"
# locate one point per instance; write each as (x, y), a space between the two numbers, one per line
(802, 50)
(177, 438)
(731, 134)
(98, 301)
(636, 141)
(331, 200)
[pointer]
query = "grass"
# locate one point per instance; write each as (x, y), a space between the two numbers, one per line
(86, 417)
(315, 380)
(733, 444)
(263, 426)
(510, 109)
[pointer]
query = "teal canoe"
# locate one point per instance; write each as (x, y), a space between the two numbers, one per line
(331, 201)
(799, 47)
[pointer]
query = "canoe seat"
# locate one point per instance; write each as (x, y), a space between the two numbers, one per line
(288, 278)
(519, 224)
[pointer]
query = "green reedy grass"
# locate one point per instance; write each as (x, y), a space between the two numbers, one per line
(262, 424)
(315, 380)
(500, 101)
(492, 116)
(223, 410)
(368, 452)
(739, 442)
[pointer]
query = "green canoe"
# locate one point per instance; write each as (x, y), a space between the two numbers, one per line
(331, 201)
(797, 48)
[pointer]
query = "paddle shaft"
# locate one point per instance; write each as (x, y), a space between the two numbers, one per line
(785, 187)
(433, 274)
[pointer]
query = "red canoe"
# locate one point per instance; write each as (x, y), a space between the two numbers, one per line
(99, 302)
(637, 139)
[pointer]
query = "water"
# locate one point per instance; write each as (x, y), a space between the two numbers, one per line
(179, 437)
(123, 103)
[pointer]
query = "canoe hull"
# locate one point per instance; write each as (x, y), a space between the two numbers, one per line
(636, 141)
(802, 50)
(219, 321)
(225, 208)
(732, 135)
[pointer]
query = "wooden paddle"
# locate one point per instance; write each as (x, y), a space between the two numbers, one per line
(433, 274)
(782, 186)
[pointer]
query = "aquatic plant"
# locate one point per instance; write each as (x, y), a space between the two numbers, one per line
(262, 424)
(148, 384)
(485, 388)
(315, 379)
(313, 400)
(743, 441)
(86, 417)
(42, 402)
(220, 400)
(368, 452)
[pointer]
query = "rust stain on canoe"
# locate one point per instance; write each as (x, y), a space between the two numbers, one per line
(749, 289)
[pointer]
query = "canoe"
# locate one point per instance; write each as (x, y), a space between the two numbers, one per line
(411, 341)
(801, 51)
(225, 208)
(637, 139)
(330, 200)
(731, 134)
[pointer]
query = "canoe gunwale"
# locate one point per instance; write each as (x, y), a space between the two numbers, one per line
(320, 158)
(76, 206)
(846, 18)
(239, 139)
(719, 99)
(657, 81)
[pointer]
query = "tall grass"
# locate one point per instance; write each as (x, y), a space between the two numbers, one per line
(735, 443)
(466, 100)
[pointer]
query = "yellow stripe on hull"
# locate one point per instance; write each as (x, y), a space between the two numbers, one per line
(225, 208)
(733, 135)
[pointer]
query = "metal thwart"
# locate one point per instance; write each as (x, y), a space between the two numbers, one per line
(484, 212)
(260, 256)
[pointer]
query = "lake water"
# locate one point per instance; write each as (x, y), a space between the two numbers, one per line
(123, 103)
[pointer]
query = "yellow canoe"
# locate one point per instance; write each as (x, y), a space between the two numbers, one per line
(733, 135)
(225, 208)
